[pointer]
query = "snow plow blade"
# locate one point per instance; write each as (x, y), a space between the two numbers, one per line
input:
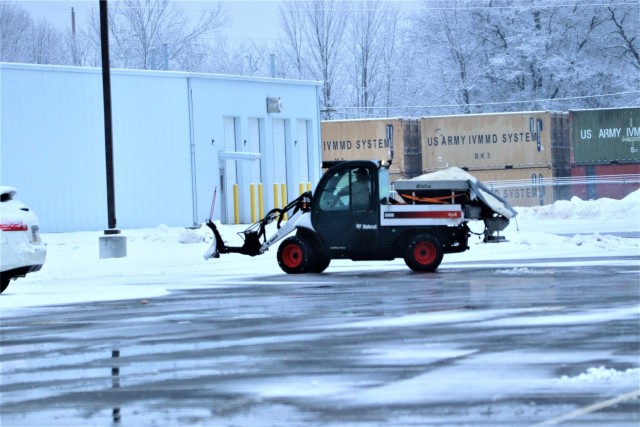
(213, 251)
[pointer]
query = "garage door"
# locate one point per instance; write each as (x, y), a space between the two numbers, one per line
(279, 154)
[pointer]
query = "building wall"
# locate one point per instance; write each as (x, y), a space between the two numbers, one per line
(168, 130)
(230, 118)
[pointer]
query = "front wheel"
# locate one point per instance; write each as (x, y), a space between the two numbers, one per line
(295, 255)
(423, 253)
(321, 262)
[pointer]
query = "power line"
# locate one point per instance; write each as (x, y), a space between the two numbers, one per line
(483, 104)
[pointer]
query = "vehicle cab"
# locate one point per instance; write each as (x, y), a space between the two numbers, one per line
(345, 209)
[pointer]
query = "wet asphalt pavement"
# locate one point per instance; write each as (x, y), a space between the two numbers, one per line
(466, 346)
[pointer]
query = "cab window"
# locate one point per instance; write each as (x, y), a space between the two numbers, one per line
(347, 189)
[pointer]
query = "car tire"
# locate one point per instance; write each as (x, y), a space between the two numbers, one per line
(423, 253)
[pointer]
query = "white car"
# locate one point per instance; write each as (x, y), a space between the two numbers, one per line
(22, 248)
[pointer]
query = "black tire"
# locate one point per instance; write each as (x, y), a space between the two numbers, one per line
(295, 255)
(321, 262)
(423, 253)
(4, 283)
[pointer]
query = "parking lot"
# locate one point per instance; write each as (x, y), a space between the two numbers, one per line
(520, 343)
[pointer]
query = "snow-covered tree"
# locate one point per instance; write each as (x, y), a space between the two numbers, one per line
(15, 24)
(45, 44)
(444, 36)
(373, 40)
(140, 29)
(504, 55)
(320, 26)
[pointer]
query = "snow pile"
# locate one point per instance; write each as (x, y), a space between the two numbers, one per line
(592, 241)
(166, 234)
(456, 174)
(576, 208)
(190, 236)
(449, 174)
(600, 374)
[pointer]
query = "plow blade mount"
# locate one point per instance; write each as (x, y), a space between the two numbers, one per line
(250, 247)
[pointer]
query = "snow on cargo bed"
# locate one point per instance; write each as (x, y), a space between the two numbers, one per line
(493, 201)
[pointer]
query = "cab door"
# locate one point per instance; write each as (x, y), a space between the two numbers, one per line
(344, 211)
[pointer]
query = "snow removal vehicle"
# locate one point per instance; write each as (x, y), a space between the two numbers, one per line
(354, 214)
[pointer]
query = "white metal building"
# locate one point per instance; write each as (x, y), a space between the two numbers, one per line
(176, 137)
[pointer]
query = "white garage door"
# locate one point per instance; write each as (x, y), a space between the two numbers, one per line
(303, 151)
(228, 175)
(279, 154)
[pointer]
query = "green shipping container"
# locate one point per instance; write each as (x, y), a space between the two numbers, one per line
(605, 136)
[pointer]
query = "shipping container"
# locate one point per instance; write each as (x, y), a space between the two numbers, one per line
(611, 181)
(521, 187)
(394, 139)
(538, 139)
(605, 136)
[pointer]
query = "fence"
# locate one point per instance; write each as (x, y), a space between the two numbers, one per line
(542, 191)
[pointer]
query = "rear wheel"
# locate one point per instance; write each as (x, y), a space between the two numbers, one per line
(423, 253)
(295, 255)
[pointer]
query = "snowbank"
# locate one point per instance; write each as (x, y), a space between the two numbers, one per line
(601, 373)
(576, 208)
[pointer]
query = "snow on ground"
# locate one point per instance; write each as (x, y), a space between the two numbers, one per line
(600, 373)
(163, 259)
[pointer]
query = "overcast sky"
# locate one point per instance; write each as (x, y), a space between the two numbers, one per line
(251, 19)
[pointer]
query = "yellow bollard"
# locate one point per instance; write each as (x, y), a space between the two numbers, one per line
(252, 196)
(236, 205)
(284, 199)
(301, 188)
(308, 186)
(260, 201)
(275, 196)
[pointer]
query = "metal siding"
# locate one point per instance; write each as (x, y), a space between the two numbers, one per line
(53, 145)
(605, 136)
(151, 151)
(279, 154)
(230, 167)
(255, 144)
(218, 96)
(303, 155)
(52, 123)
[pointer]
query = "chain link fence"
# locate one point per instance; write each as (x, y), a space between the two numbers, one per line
(540, 191)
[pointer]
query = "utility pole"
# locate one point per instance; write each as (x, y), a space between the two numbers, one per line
(112, 244)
